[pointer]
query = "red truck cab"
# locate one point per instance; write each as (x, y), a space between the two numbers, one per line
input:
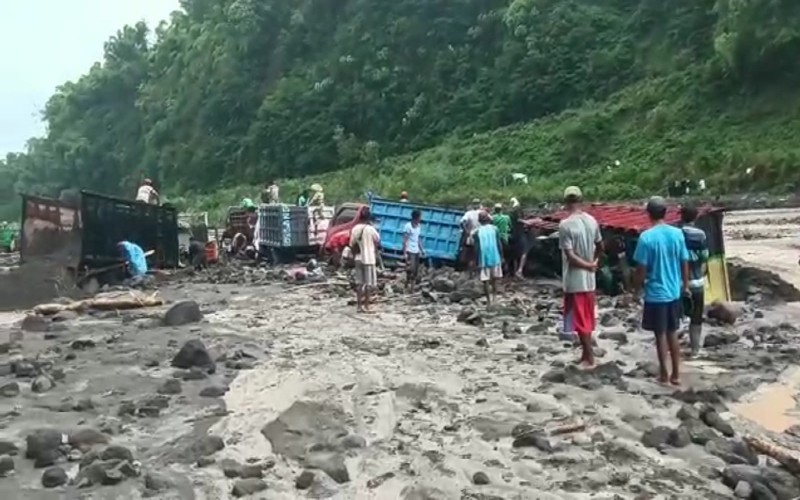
(338, 235)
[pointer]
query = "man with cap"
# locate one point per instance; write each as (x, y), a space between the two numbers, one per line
(364, 244)
(404, 197)
(662, 269)
(581, 245)
(147, 193)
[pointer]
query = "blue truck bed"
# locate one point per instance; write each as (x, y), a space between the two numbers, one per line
(440, 235)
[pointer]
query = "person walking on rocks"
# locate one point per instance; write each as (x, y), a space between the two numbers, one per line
(662, 269)
(581, 245)
(364, 241)
(412, 249)
(693, 304)
(489, 251)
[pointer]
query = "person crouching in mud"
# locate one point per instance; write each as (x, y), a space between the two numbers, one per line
(135, 262)
(488, 247)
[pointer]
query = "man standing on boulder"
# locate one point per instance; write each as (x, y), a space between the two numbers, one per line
(662, 268)
(581, 245)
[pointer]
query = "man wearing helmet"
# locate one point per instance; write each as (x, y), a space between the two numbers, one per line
(147, 193)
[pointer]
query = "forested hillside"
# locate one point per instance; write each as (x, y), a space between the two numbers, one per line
(444, 98)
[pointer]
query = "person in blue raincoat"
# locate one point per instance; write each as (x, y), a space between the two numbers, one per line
(134, 258)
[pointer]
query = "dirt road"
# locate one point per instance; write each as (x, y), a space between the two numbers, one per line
(308, 399)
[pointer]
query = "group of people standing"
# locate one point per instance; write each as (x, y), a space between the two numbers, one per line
(669, 278)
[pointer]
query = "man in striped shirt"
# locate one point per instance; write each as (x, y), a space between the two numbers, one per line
(697, 245)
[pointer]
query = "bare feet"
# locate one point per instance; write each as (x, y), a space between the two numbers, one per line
(663, 378)
(675, 380)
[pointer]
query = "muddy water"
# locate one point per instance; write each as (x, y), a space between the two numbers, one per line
(774, 406)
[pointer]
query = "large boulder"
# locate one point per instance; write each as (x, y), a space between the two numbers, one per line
(193, 353)
(54, 477)
(42, 442)
(183, 313)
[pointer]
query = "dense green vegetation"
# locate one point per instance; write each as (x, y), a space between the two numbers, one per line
(443, 98)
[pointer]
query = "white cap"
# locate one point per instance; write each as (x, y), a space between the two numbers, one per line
(573, 192)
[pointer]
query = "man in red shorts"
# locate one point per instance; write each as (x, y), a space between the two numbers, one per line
(581, 244)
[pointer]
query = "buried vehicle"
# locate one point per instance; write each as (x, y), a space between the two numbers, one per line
(284, 232)
(9, 237)
(83, 235)
(440, 233)
(622, 224)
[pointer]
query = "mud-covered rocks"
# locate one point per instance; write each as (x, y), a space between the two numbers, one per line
(232, 469)
(714, 420)
(85, 439)
(115, 452)
(765, 481)
(620, 338)
(6, 465)
(723, 312)
(699, 432)
(83, 344)
(42, 383)
(35, 323)
(42, 444)
(331, 463)
(170, 387)
(213, 391)
(155, 481)
(193, 354)
(205, 446)
(717, 339)
(8, 448)
(9, 390)
(183, 313)
(304, 480)
(54, 477)
(470, 316)
(480, 478)
(247, 487)
(443, 284)
(657, 437)
(604, 374)
(106, 472)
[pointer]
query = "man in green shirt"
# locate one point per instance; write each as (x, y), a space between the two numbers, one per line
(502, 222)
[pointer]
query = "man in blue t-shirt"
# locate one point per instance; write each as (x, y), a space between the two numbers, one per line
(135, 259)
(490, 262)
(662, 267)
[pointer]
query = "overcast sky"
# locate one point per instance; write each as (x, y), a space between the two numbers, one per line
(44, 43)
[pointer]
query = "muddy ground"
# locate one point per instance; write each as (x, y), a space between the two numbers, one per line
(434, 396)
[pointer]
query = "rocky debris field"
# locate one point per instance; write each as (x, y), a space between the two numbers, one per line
(264, 383)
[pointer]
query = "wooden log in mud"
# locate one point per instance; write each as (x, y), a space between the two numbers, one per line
(567, 429)
(784, 456)
(131, 300)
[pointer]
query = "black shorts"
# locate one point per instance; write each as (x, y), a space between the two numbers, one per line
(661, 318)
(412, 266)
(693, 307)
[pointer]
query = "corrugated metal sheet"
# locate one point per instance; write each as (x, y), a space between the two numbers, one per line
(616, 216)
